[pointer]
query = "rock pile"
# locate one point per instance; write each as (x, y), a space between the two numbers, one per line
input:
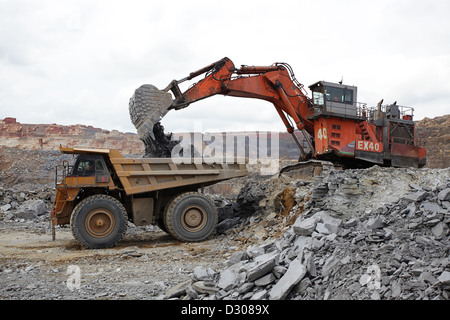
(250, 202)
(353, 192)
(396, 250)
(22, 169)
(22, 205)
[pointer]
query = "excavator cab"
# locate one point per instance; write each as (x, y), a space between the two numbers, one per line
(334, 99)
(383, 135)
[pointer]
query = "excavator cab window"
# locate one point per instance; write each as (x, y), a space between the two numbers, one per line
(339, 95)
(318, 98)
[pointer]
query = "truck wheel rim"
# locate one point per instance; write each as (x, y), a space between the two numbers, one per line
(193, 218)
(99, 223)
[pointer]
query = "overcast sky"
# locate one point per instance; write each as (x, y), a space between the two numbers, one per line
(79, 62)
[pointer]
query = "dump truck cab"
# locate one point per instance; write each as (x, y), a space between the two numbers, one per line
(91, 166)
(89, 175)
(103, 190)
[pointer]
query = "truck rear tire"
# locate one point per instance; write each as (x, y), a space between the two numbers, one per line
(190, 217)
(98, 222)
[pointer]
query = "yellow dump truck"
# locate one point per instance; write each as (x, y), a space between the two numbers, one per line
(102, 190)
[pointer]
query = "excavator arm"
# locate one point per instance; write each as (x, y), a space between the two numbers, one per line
(271, 83)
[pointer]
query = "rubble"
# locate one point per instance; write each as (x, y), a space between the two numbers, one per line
(293, 275)
(31, 209)
(22, 205)
(380, 250)
(305, 227)
(383, 240)
(444, 195)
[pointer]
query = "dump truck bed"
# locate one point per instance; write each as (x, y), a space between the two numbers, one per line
(144, 175)
(140, 175)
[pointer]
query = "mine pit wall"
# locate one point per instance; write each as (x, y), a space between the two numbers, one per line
(433, 134)
(30, 152)
(14, 134)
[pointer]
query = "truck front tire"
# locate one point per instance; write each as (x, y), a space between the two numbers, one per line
(99, 221)
(190, 217)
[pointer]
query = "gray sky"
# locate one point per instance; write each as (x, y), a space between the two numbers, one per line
(79, 62)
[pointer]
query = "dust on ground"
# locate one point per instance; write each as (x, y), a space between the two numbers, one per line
(142, 266)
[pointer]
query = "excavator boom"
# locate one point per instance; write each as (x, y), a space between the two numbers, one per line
(270, 83)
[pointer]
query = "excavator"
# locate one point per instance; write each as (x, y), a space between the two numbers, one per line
(335, 126)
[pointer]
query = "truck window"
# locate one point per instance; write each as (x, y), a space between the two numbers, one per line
(84, 168)
(99, 165)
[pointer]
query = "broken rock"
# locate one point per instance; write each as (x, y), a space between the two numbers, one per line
(396, 289)
(5, 207)
(203, 273)
(228, 279)
(375, 223)
(178, 290)
(415, 196)
(444, 278)
(293, 275)
(31, 209)
(329, 265)
(205, 287)
(305, 227)
(439, 230)
(261, 269)
(444, 195)
(265, 280)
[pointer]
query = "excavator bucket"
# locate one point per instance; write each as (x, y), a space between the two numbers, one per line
(147, 106)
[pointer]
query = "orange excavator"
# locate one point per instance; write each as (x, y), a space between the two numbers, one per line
(335, 126)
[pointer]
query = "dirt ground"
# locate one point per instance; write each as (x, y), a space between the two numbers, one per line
(143, 265)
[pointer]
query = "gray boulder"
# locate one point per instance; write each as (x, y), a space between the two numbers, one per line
(305, 227)
(444, 195)
(293, 275)
(31, 209)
